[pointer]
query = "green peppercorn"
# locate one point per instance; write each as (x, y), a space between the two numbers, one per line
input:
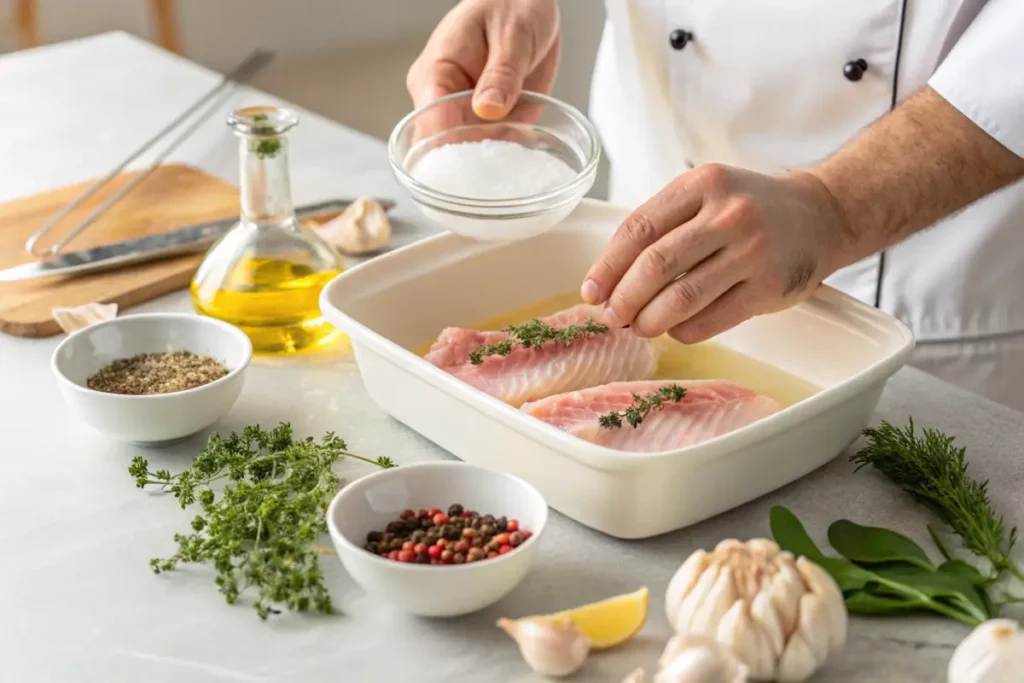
(418, 535)
(477, 542)
(451, 533)
(396, 544)
(486, 530)
(475, 555)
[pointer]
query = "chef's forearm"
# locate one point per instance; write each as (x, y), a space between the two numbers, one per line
(911, 168)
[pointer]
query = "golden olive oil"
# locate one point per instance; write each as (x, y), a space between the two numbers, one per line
(275, 302)
(708, 360)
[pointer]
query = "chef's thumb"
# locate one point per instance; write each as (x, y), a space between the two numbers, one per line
(501, 82)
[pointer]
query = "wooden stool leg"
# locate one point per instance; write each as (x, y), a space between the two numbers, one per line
(26, 19)
(164, 15)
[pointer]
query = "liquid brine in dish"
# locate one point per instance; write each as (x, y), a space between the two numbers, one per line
(708, 360)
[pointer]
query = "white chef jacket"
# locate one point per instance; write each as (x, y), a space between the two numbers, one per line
(772, 85)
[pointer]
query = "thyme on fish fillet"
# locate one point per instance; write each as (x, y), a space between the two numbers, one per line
(534, 334)
(261, 532)
(933, 471)
(636, 413)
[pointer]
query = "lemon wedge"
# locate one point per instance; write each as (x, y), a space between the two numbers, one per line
(609, 622)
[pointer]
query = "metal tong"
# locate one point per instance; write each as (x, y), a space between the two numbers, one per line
(218, 95)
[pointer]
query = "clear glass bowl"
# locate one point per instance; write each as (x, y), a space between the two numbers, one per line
(537, 121)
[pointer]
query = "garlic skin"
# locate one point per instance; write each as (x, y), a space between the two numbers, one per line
(992, 653)
(79, 317)
(362, 228)
(781, 616)
(551, 647)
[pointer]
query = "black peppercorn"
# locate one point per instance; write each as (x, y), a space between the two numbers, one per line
(418, 535)
(459, 558)
(372, 547)
(486, 530)
(422, 523)
(374, 536)
(488, 519)
(501, 523)
(422, 558)
(455, 510)
(396, 527)
(451, 533)
(477, 542)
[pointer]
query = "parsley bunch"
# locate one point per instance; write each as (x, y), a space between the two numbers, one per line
(535, 334)
(642, 405)
(261, 532)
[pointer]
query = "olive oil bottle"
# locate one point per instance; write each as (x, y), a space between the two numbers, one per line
(265, 275)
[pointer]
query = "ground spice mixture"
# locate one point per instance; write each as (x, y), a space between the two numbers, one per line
(157, 373)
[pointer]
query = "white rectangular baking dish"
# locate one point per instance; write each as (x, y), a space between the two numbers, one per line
(403, 299)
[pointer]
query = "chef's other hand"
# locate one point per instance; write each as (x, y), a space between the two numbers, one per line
(496, 48)
(715, 247)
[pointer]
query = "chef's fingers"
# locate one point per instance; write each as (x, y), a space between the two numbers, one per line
(657, 266)
(509, 58)
(685, 297)
(735, 306)
(679, 202)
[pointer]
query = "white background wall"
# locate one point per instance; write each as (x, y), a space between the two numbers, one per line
(345, 59)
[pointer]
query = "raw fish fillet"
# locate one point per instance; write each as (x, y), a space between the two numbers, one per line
(531, 374)
(710, 408)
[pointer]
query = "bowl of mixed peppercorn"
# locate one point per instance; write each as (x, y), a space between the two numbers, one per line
(437, 539)
(152, 378)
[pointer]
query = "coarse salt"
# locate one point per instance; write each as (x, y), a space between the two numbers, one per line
(491, 169)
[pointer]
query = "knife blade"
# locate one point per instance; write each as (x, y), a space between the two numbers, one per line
(186, 240)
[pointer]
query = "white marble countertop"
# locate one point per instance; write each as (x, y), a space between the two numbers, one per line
(79, 601)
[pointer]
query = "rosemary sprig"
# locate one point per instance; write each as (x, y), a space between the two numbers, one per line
(932, 470)
(262, 531)
(535, 334)
(636, 413)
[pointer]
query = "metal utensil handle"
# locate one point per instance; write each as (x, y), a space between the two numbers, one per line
(256, 60)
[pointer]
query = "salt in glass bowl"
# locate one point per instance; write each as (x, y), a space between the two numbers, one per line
(538, 122)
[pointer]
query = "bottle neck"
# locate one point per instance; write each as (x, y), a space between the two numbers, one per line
(265, 184)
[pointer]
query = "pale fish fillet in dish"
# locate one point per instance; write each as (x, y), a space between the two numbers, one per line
(709, 408)
(529, 374)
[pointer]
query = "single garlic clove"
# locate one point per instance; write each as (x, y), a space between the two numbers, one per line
(824, 586)
(362, 228)
(551, 647)
(717, 602)
(76, 318)
(738, 632)
(797, 662)
(695, 599)
(785, 590)
(763, 548)
(699, 659)
(813, 626)
(992, 653)
(762, 611)
(635, 677)
(682, 583)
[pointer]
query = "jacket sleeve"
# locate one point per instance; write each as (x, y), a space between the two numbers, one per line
(983, 75)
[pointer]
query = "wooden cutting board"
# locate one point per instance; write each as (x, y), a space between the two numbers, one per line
(172, 197)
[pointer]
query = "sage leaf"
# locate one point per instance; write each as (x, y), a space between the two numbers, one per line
(790, 534)
(935, 586)
(967, 571)
(873, 545)
(869, 602)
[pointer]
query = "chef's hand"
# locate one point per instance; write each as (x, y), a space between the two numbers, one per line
(715, 247)
(496, 48)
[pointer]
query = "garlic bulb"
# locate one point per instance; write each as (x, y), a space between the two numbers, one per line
(79, 317)
(636, 676)
(361, 228)
(781, 616)
(551, 647)
(992, 653)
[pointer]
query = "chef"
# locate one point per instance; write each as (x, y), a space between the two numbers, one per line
(875, 145)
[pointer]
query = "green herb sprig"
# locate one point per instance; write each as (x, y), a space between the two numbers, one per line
(932, 470)
(268, 147)
(534, 334)
(642, 405)
(261, 532)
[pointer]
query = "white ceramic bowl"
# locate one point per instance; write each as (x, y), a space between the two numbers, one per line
(538, 122)
(369, 503)
(158, 418)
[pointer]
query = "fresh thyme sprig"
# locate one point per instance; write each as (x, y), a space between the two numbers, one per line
(932, 470)
(636, 413)
(534, 334)
(262, 530)
(268, 147)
